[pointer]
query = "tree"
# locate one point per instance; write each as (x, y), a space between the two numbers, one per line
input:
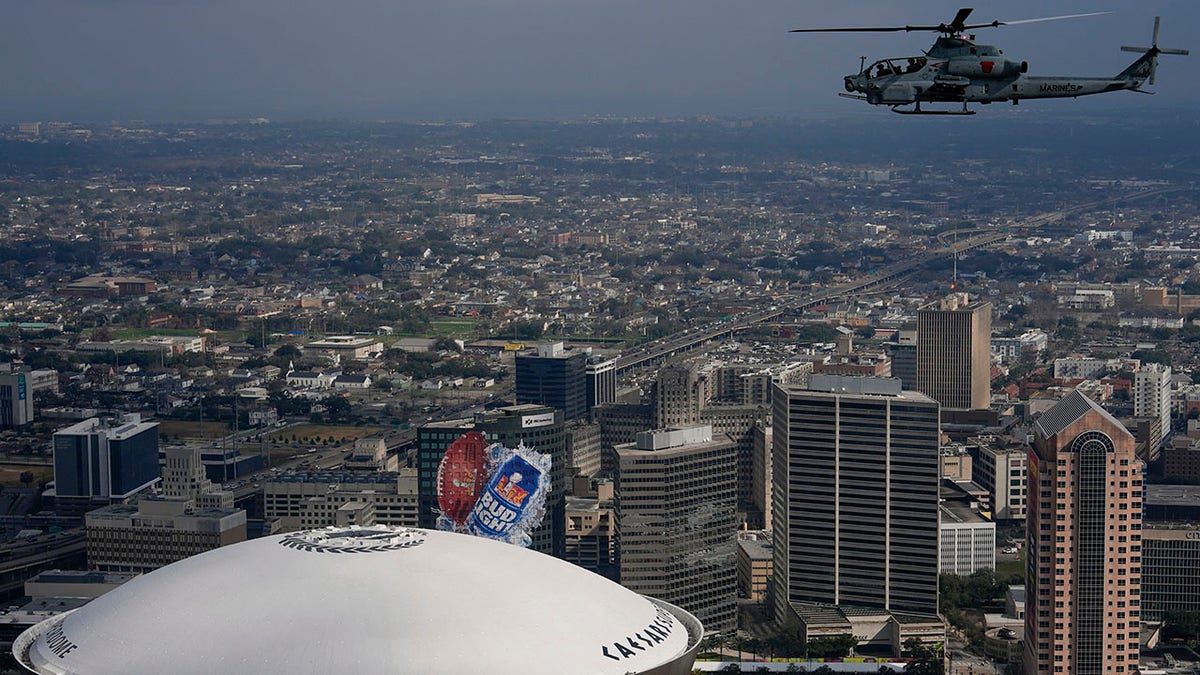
(444, 343)
(754, 646)
(737, 643)
(927, 660)
(834, 646)
(1152, 356)
(713, 643)
(1183, 626)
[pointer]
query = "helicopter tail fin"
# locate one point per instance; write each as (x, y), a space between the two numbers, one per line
(1146, 66)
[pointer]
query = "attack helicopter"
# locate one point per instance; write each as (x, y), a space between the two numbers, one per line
(958, 70)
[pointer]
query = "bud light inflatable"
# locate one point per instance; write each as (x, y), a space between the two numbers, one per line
(492, 491)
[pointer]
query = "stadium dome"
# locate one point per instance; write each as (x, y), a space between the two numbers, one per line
(366, 600)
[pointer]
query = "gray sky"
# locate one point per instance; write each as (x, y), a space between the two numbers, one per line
(163, 60)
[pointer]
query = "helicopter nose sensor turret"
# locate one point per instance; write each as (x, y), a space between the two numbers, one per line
(850, 84)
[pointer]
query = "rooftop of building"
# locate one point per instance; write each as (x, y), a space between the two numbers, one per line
(1172, 495)
(122, 511)
(343, 476)
(954, 513)
(1067, 411)
(718, 440)
(756, 549)
(81, 577)
(574, 503)
(846, 385)
(117, 429)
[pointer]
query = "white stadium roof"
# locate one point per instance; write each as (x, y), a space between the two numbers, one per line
(366, 600)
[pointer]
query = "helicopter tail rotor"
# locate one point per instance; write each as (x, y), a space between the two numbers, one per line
(1148, 64)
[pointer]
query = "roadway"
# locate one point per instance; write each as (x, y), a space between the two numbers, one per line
(25, 559)
(693, 338)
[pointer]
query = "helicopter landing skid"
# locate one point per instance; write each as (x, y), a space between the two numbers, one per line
(918, 111)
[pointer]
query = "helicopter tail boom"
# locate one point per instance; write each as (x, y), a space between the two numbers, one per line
(1146, 66)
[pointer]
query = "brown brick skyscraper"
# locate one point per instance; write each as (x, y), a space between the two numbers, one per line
(1083, 560)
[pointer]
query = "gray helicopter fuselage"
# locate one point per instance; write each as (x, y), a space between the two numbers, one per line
(958, 70)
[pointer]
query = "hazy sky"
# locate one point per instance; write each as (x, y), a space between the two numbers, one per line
(164, 60)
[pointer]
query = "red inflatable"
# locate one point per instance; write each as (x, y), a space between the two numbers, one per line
(462, 475)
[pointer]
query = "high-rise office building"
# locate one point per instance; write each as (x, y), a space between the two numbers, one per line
(681, 390)
(620, 423)
(1152, 401)
(537, 426)
(738, 422)
(1001, 468)
(16, 400)
(760, 472)
(601, 376)
(676, 502)
(101, 459)
(855, 498)
(1083, 555)
(551, 375)
(582, 442)
(904, 365)
(954, 352)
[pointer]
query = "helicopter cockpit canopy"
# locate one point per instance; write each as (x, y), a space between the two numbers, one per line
(890, 67)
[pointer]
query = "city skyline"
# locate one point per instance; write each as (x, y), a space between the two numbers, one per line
(322, 317)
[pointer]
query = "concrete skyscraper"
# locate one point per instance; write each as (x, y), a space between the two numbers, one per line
(681, 390)
(954, 352)
(1152, 402)
(676, 507)
(855, 506)
(1083, 559)
(600, 374)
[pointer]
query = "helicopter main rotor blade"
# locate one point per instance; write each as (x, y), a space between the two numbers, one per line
(1040, 19)
(955, 26)
(873, 29)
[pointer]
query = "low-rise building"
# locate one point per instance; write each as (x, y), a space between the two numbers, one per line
(188, 516)
(308, 500)
(1001, 468)
(1170, 558)
(346, 346)
(369, 454)
(754, 565)
(968, 541)
(591, 532)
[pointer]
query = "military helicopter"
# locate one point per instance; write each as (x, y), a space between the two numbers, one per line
(957, 70)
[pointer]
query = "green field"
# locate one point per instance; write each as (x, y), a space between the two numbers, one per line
(1012, 568)
(452, 327)
(189, 429)
(142, 333)
(10, 475)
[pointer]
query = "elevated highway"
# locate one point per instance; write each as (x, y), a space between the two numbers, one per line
(662, 348)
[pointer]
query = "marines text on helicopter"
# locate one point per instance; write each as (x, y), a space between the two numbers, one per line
(957, 70)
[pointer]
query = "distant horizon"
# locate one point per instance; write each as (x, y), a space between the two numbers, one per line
(98, 60)
(1053, 109)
